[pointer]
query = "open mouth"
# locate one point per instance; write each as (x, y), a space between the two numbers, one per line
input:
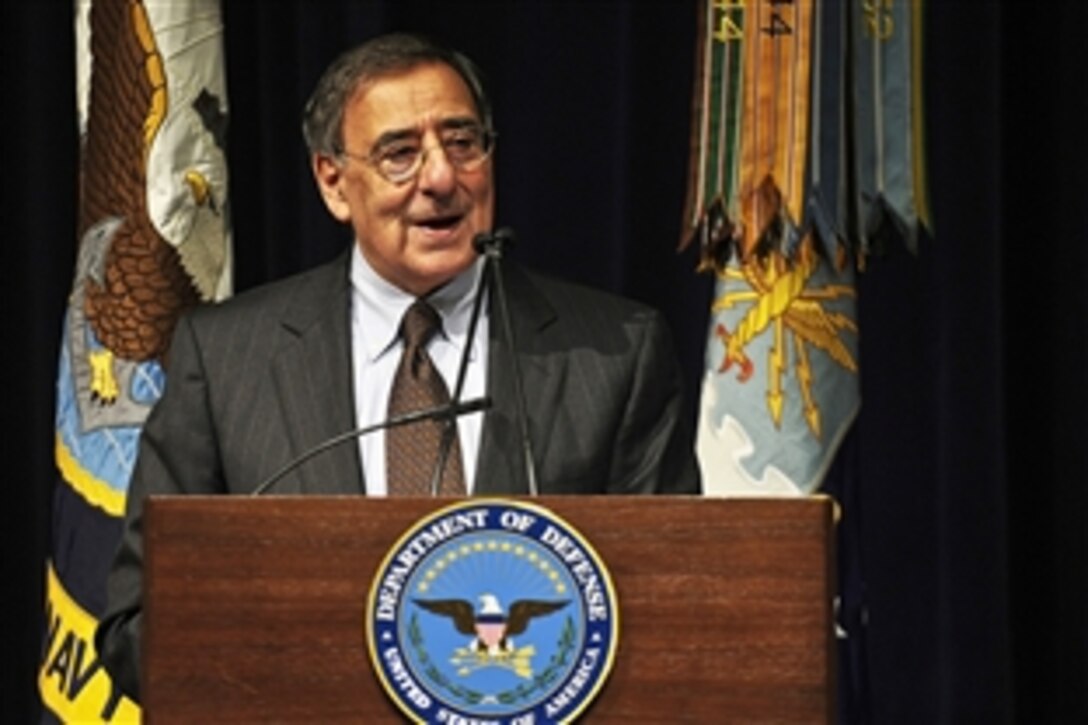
(441, 223)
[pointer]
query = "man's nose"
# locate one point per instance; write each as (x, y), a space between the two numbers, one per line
(437, 176)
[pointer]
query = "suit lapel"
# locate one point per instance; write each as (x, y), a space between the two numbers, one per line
(501, 465)
(312, 370)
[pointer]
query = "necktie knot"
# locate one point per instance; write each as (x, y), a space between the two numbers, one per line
(419, 324)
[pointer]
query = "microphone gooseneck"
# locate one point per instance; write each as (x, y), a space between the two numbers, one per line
(450, 430)
(448, 412)
(492, 247)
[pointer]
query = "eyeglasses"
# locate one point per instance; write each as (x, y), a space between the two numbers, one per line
(399, 160)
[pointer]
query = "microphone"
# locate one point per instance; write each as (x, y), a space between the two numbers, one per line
(492, 247)
(449, 433)
(448, 412)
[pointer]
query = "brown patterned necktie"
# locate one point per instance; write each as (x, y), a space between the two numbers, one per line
(411, 451)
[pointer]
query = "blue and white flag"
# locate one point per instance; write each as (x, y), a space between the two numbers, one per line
(781, 384)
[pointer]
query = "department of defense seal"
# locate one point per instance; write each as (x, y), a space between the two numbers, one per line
(492, 611)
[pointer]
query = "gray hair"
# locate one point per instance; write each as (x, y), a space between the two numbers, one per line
(323, 117)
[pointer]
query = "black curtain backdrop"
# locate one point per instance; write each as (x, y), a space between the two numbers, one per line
(963, 481)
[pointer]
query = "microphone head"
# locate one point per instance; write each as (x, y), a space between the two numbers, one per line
(494, 242)
(481, 242)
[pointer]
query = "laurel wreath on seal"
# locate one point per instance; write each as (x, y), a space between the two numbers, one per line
(473, 697)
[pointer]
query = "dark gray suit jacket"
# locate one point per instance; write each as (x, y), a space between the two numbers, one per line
(259, 379)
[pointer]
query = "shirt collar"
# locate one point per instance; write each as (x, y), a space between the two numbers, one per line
(380, 305)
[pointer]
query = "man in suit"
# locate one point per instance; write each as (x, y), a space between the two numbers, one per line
(401, 144)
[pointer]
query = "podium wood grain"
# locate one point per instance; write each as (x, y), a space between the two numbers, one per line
(255, 607)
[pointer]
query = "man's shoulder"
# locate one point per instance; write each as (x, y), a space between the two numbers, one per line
(575, 298)
(310, 288)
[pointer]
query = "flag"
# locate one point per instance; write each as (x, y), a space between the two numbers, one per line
(827, 201)
(891, 195)
(747, 193)
(154, 239)
(800, 169)
(780, 386)
(807, 156)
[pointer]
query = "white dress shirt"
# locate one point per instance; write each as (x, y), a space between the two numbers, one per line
(376, 310)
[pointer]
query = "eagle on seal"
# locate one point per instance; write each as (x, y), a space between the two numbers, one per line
(491, 627)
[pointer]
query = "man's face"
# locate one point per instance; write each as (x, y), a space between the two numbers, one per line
(417, 234)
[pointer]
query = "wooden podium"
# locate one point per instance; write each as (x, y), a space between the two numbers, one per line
(255, 607)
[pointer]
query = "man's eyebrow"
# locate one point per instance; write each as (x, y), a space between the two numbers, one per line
(396, 135)
(458, 122)
(446, 124)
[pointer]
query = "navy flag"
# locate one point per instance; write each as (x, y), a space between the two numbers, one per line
(154, 240)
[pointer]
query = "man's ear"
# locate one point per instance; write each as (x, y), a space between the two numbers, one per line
(330, 178)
